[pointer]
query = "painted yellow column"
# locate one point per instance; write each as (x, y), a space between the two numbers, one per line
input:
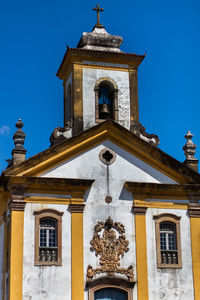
(141, 252)
(77, 270)
(16, 250)
(195, 243)
(5, 254)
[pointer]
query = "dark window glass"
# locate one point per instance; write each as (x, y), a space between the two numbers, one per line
(110, 294)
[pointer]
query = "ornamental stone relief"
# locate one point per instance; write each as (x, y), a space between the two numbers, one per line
(110, 244)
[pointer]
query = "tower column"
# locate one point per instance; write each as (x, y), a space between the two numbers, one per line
(134, 110)
(77, 98)
(77, 270)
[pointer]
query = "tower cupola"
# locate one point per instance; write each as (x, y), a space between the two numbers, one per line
(100, 83)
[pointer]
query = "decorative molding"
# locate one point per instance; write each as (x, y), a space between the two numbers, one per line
(54, 214)
(110, 247)
(110, 282)
(17, 205)
(173, 217)
(48, 211)
(139, 210)
(76, 208)
(107, 156)
(176, 222)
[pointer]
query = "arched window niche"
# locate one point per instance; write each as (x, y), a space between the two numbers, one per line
(168, 241)
(106, 100)
(110, 288)
(48, 237)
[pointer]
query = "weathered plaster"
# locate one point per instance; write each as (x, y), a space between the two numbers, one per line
(1, 258)
(89, 166)
(90, 76)
(169, 284)
(46, 282)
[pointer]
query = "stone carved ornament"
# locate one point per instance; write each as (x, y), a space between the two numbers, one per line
(109, 243)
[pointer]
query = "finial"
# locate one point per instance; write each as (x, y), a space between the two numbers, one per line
(98, 9)
(189, 151)
(18, 153)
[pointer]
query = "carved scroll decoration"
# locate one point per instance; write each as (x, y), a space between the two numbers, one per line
(109, 243)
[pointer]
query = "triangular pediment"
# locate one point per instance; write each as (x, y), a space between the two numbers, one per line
(146, 158)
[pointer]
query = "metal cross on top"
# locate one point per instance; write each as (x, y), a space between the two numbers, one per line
(98, 9)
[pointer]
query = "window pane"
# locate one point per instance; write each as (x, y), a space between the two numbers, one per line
(111, 294)
(167, 236)
(48, 232)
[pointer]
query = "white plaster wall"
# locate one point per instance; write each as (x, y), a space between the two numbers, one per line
(90, 76)
(166, 284)
(125, 168)
(46, 282)
(1, 258)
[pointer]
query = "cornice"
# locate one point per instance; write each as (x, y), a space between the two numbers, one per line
(139, 210)
(117, 134)
(156, 190)
(76, 208)
(73, 55)
(19, 185)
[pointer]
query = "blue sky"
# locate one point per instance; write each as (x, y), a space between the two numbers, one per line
(34, 34)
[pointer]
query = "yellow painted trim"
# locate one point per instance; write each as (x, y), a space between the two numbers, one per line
(16, 255)
(84, 143)
(61, 157)
(5, 257)
(167, 205)
(195, 234)
(77, 94)
(53, 200)
(141, 256)
(77, 256)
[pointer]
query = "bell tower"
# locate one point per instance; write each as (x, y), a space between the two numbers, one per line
(100, 83)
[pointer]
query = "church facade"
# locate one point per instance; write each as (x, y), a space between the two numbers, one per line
(103, 213)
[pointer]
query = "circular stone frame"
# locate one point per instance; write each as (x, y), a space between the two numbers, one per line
(107, 156)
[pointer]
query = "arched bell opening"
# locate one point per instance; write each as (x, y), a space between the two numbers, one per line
(105, 101)
(106, 98)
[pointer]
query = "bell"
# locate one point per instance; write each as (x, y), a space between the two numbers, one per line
(105, 109)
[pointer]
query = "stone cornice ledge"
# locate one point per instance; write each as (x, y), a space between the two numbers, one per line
(194, 210)
(155, 190)
(76, 208)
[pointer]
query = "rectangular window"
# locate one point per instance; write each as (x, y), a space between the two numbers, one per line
(168, 246)
(48, 248)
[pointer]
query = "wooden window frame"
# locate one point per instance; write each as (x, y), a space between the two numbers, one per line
(115, 283)
(109, 81)
(176, 221)
(54, 214)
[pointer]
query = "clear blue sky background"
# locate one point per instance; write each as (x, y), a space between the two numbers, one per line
(33, 37)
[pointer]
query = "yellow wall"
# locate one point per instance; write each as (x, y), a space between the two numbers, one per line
(141, 256)
(195, 239)
(16, 255)
(77, 256)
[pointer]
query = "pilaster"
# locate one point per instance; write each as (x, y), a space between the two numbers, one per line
(16, 206)
(194, 214)
(77, 270)
(141, 252)
(77, 98)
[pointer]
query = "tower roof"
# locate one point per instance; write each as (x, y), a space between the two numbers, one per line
(99, 38)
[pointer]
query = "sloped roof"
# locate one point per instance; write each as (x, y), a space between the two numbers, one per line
(111, 130)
